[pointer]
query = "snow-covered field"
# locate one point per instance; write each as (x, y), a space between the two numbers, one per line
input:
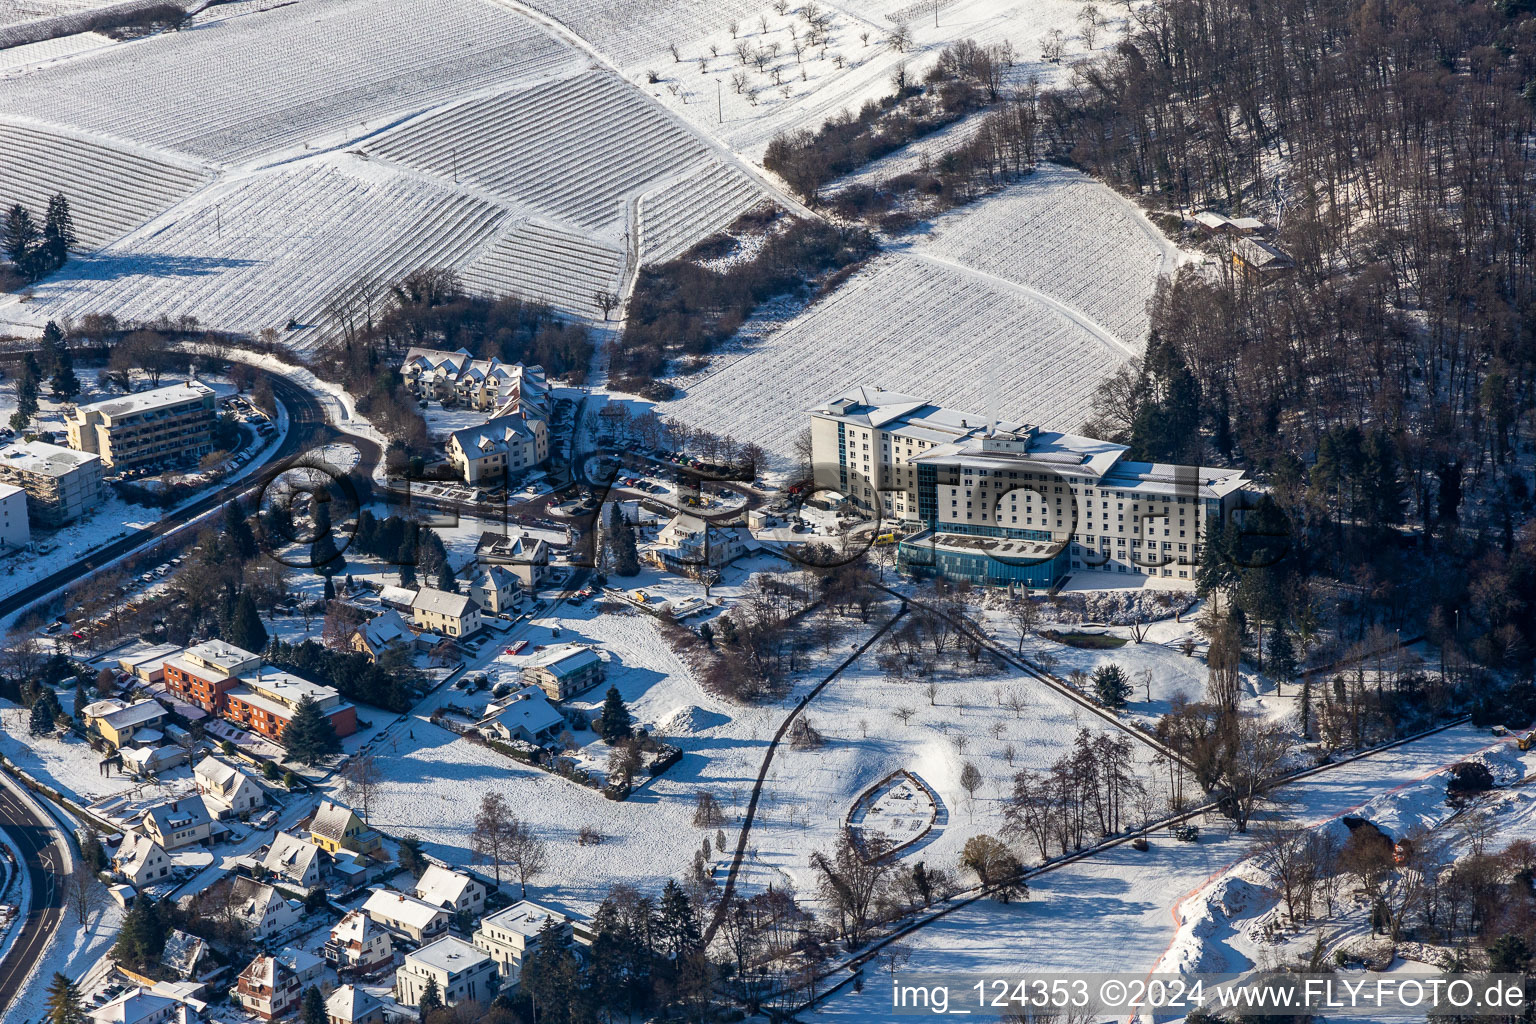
(14, 12)
(28, 54)
(1014, 290)
(1122, 910)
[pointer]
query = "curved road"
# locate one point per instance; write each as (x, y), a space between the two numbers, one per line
(44, 867)
(307, 430)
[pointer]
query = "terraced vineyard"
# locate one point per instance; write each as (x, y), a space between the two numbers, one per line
(548, 263)
(633, 32)
(239, 88)
(15, 57)
(111, 188)
(573, 149)
(1065, 234)
(908, 325)
(677, 215)
(275, 247)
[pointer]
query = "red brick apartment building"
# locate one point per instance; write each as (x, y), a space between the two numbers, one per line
(232, 683)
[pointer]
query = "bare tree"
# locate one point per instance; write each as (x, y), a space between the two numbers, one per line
(1052, 45)
(78, 888)
(605, 301)
(904, 715)
(1090, 21)
(526, 851)
(488, 840)
(900, 38)
(360, 778)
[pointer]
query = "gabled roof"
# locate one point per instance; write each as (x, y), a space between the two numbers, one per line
(494, 435)
(290, 856)
(251, 900)
(441, 602)
(137, 713)
(331, 820)
(530, 709)
(497, 577)
(181, 813)
(182, 952)
(397, 906)
(355, 926)
(382, 630)
(442, 886)
(265, 971)
(135, 1005)
(134, 851)
(219, 774)
(350, 1003)
(563, 659)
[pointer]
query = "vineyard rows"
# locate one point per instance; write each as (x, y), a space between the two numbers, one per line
(547, 263)
(1065, 234)
(572, 149)
(636, 32)
(29, 21)
(274, 247)
(13, 58)
(240, 88)
(676, 216)
(111, 188)
(912, 326)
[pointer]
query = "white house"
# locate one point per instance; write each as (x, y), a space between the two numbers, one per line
(352, 1005)
(528, 716)
(406, 915)
(451, 890)
(441, 612)
(358, 943)
(496, 591)
(139, 1005)
(462, 972)
(178, 823)
(526, 557)
(293, 860)
(226, 789)
(509, 936)
(260, 910)
(151, 760)
(141, 861)
(502, 448)
(308, 968)
(689, 543)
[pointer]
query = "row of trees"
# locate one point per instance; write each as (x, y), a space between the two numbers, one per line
(37, 252)
(1090, 792)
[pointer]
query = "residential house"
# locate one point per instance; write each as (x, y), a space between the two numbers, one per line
(689, 543)
(527, 716)
(462, 972)
(385, 632)
(204, 673)
(122, 725)
(267, 988)
(358, 943)
(308, 968)
(352, 1005)
(448, 614)
(226, 789)
(405, 915)
(293, 860)
(149, 760)
(477, 383)
(266, 699)
(147, 664)
(499, 450)
(452, 890)
(564, 670)
(335, 827)
(139, 1005)
(510, 936)
(526, 557)
(186, 956)
(496, 591)
(141, 861)
(1260, 262)
(180, 822)
(261, 911)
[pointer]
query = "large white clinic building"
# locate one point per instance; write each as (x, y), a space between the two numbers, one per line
(1009, 503)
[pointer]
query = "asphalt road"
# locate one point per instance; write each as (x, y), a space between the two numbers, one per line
(307, 430)
(38, 840)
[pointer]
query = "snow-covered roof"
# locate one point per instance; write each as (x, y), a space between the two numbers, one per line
(182, 952)
(1211, 219)
(331, 820)
(442, 886)
(137, 713)
(498, 577)
(523, 918)
(449, 953)
(355, 926)
(382, 630)
(133, 1006)
(252, 900)
(263, 972)
(397, 906)
(494, 435)
(134, 851)
(441, 602)
(179, 814)
(350, 1003)
(217, 774)
(1260, 254)
(299, 961)
(530, 709)
(39, 458)
(219, 655)
(148, 401)
(290, 856)
(102, 708)
(402, 596)
(563, 659)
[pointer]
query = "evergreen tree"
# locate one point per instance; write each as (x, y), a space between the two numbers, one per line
(615, 722)
(410, 857)
(677, 924)
(65, 385)
(20, 236)
(330, 590)
(621, 538)
(58, 231)
(45, 713)
(1111, 685)
(245, 628)
(26, 394)
(407, 575)
(1304, 708)
(312, 1007)
(81, 700)
(431, 1001)
(64, 1002)
(310, 735)
(1280, 656)
(142, 936)
(1166, 424)
(237, 528)
(50, 348)
(613, 961)
(551, 977)
(446, 580)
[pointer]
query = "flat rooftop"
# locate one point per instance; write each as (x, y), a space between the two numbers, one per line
(1017, 549)
(45, 459)
(523, 918)
(147, 401)
(449, 954)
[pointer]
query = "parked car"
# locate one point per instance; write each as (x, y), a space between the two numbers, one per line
(1187, 833)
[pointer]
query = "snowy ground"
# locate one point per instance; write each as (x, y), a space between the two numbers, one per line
(1121, 910)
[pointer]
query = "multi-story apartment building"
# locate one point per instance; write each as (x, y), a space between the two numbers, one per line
(15, 530)
(500, 449)
(61, 484)
(509, 937)
(204, 673)
(171, 424)
(231, 683)
(463, 974)
(1009, 503)
(478, 383)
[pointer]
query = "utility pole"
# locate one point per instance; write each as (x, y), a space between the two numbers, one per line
(935, 13)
